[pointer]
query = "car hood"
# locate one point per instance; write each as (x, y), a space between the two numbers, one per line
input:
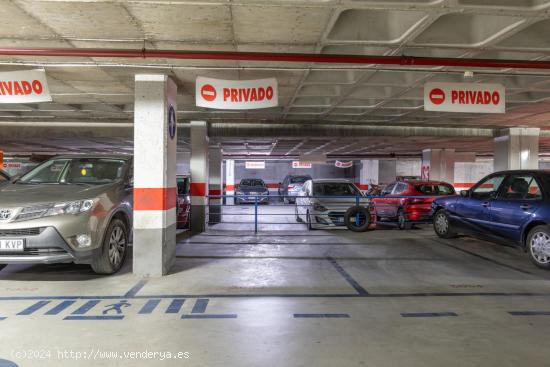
(247, 189)
(16, 195)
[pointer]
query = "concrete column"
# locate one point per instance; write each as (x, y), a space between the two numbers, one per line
(377, 171)
(215, 185)
(438, 165)
(199, 175)
(517, 148)
(230, 180)
(155, 143)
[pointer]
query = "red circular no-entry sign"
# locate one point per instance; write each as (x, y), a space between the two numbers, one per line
(208, 92)
(437, 96)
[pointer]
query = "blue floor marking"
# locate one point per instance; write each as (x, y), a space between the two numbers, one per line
(358, 288)
(175, 306)
(428, 314)
(135, 289)
(2, 318)
(529, 313)
(86, 307)
(29, 310)
(149, 307)
(60, 307)
(118, 317)
(321, 315)
(212, 316)
(200, 305)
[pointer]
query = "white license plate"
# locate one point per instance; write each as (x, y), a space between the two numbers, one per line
(12, 245)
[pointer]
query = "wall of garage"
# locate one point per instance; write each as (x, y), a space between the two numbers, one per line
(275, 172)
(468, 173)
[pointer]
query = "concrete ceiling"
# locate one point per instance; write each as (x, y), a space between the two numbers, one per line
(99, 89)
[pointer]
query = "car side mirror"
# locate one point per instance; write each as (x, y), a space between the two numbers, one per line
(465, 193)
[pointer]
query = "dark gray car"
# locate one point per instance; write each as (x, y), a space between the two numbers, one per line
(250, 190)
(69, 209)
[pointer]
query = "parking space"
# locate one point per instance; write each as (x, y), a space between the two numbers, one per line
(289, 296)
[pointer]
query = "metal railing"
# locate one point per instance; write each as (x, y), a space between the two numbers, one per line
(227, 209)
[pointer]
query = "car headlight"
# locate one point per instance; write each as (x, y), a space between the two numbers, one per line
(71, 207)
(319, 208)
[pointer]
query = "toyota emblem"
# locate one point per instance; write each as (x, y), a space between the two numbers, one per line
(5, 214)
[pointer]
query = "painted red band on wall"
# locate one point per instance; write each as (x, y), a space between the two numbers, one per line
(198, 189)
(362, 186)
(155, 198)
(214, 192)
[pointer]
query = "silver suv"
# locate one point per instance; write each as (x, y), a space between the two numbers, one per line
(69, 209)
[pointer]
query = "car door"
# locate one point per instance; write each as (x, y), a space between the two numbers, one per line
(382, 204)
(472, 212)
(517, 200)
(394, 200)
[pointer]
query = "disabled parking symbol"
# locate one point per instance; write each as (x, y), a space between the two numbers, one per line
(116, 307)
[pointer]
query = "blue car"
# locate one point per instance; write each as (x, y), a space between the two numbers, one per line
(510, 207)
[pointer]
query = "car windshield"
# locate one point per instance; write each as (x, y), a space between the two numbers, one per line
(252, 182)
(92, 171)
(299, 179)
(335, 189)
(435, 189)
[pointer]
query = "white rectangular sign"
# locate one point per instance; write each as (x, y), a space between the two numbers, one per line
(465, 97)
(298, 164)
(236, 94)
(343, 164)
(254, 165)
(24, 86)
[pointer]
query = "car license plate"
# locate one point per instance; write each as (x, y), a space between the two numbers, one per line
(12, 245)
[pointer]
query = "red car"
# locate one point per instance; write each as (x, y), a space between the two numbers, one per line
(393, 207)
(184, 201)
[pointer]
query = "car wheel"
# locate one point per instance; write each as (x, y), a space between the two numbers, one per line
(298, 219)
(442, 225)
(351, 221)
(402, 220)
(113, 251)
(538, 246)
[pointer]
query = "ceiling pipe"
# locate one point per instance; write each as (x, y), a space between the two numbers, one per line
(275, 57)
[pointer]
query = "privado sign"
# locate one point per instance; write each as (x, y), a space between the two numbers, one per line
(24, 87)
(236, 94)
(464, 97)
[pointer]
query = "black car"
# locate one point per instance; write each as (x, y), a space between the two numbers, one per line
(510, 207)
(4, 178)
(251, 189)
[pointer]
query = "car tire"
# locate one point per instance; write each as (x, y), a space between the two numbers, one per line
(113, 250)
(349, 219)
(298, 219)
(442, 225)
(539, 237)
(402, 220)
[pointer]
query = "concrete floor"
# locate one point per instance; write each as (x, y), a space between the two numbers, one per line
(289, 298)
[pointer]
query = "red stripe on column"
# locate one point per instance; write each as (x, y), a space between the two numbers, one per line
(198, 189)
(155, 198)
(362, 186)
(230, 187)
(214, 192)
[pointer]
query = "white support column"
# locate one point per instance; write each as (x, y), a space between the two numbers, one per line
(155, 143)
(199, 175)
(438, 165)
(377, 171)
(215, 185)
(517, 148)
(230, 180)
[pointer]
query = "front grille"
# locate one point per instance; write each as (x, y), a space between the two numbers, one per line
(335, 217)
(20, 232)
